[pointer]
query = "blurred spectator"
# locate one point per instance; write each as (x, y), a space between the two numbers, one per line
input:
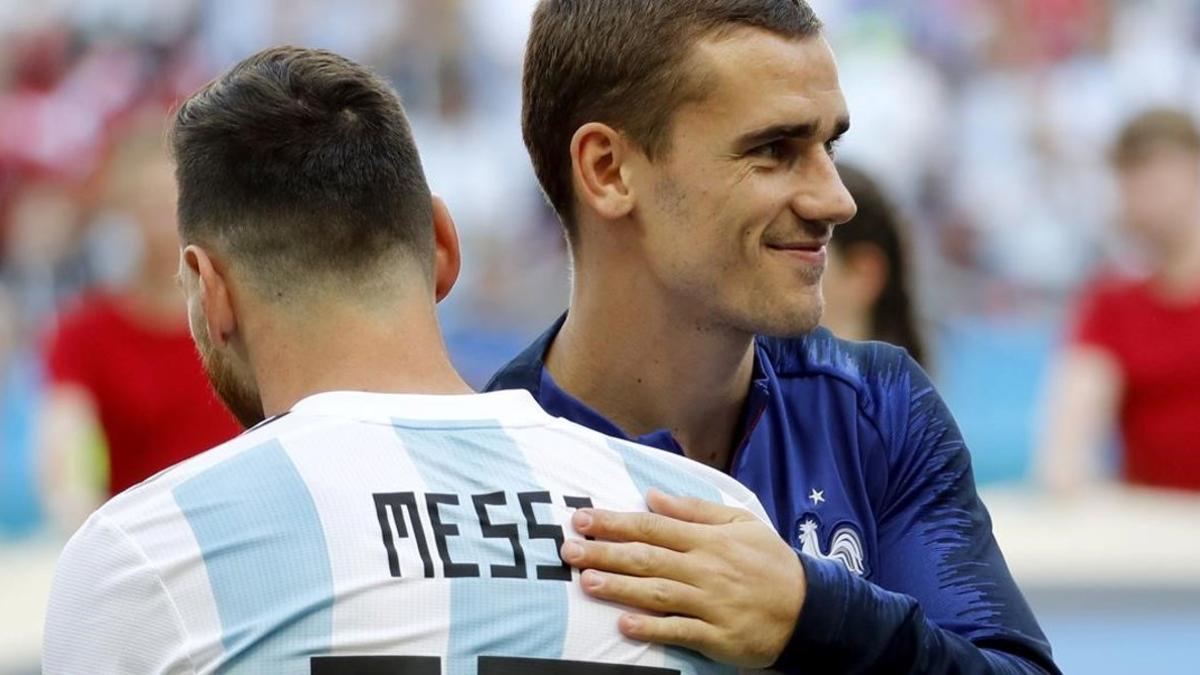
(18, 389)
(40, 257)
(867, 289)
(1130, 360)
(122, 360)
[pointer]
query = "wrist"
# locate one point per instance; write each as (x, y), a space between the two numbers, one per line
(821, 612)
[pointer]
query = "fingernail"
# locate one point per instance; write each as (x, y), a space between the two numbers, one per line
(630, 622)
(572, 551)
(593, 579)
(582, 520)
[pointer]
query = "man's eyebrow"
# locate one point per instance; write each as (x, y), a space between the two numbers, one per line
(801, 131)
(777, 132)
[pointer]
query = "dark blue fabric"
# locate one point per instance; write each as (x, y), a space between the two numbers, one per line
(851, 443)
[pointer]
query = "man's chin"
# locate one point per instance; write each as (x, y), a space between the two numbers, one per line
(795, 322)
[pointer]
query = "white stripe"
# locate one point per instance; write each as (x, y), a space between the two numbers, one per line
(571, 461)
(373, 613)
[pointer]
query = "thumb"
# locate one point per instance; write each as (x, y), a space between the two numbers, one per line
(693, 510)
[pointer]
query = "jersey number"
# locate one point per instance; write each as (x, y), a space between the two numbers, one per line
(487, 665)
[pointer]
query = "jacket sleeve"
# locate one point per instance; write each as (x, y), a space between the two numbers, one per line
(945, 602)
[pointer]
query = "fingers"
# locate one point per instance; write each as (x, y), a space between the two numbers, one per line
(723, 582)
(692, 510)
(632, 559)
(648, 528)
(673, 523)
(680, 631)
(653, 595)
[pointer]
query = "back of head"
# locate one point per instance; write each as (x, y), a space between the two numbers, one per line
(300, 166)
(878, 225)
(1153, 131)
(625, 63)
(1157, 157)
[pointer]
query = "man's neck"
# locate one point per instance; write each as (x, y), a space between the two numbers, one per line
(646, 367)
(400, 353)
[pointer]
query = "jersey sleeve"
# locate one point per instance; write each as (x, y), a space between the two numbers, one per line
(946, 602)
(109, 611)
(67, 351)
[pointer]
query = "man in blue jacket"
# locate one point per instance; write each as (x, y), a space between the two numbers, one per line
(687, 146)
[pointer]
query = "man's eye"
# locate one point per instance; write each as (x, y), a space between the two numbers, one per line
(831, 147)
(776, 150)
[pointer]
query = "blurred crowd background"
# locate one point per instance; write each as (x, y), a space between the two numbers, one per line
(989, 124)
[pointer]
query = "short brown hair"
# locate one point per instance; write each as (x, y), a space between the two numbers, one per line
(301, 164)
(1154, 130)
(622, 62)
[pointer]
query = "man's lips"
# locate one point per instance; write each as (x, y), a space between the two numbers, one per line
(809, 252)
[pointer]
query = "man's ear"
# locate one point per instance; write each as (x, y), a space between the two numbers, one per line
(212, 294)
(447, 255)
(599, 161)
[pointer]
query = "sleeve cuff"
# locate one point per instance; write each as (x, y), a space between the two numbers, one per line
(823, 614)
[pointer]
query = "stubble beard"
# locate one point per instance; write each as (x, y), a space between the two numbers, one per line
(241, 398)
(791, 324)
(795, 319)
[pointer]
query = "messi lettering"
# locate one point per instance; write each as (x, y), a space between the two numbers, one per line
(514, 518)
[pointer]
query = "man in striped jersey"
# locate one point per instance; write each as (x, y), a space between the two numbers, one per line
(383, 518)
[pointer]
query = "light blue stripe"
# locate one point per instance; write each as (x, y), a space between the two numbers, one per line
(267, 560)
(649, 471)
(490, 617)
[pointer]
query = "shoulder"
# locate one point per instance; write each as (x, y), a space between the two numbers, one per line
(1110, 312)
(904, 421)
(1111, 290)
(675, 474)
(139, 504)
(109, 609)
(820, 352)
(882, 376)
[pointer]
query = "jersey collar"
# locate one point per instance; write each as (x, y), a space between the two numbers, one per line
(509, 408)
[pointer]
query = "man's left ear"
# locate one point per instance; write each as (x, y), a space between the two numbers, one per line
(447, 255)
(214, 296)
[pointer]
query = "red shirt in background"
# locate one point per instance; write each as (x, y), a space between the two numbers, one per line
(1157, 346)
(154, 401)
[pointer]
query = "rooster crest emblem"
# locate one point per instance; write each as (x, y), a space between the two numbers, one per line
(844, 546)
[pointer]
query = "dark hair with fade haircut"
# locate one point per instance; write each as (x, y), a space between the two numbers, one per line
(624, 63)
(301, 164)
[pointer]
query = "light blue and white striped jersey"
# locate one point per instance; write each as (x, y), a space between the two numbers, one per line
(367, 533)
